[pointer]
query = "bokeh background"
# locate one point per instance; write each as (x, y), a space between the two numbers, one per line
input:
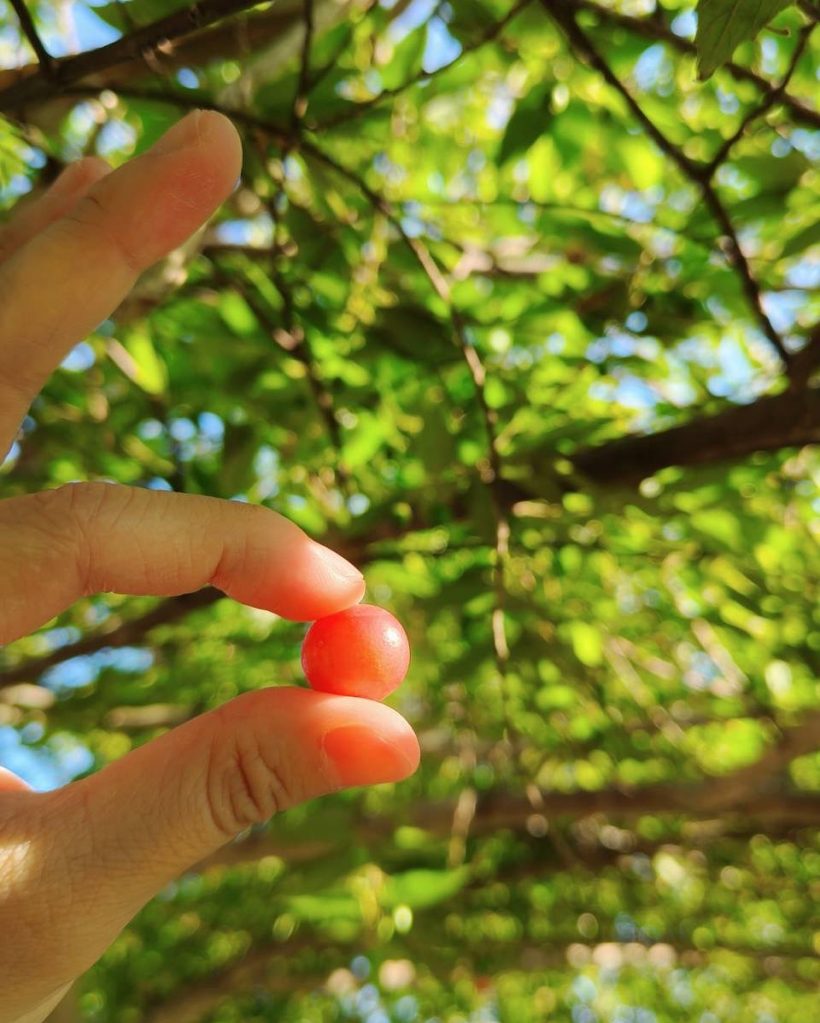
(512, 305)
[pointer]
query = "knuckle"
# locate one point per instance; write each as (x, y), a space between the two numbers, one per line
(243, 785)
(73, 512)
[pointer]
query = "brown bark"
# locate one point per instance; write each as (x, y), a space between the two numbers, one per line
(192, 34)
(783, 420)
(116, 634)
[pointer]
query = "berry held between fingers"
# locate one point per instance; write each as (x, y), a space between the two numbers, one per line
(362, 651)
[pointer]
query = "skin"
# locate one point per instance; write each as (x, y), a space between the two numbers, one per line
(77, 863)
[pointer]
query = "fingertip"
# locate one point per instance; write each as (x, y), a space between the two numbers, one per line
(366, 743)
(361, 756)
(11, 783)
(218, 135)
(322, 582)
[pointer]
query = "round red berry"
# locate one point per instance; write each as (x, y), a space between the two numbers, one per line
(362, 651)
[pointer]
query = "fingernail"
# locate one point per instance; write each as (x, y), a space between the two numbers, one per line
(358, 756)
(187, 132)
(338, 565)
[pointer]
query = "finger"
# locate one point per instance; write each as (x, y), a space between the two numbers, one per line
(94, 537)
(70, 277)
(72, 184)
(10, 782)
(127, 831)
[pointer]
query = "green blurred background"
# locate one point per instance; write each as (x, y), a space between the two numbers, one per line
(513, 305)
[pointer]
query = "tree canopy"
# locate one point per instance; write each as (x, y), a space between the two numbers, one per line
(512, 306)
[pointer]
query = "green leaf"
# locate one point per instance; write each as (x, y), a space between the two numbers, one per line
(644, 163)
(140, 361)
(406, 60)
(237, 314)
(719, 524)
(240, 448)
(12, 152)
(364, 441)
(586, 643)
(327, 906)
(420, 889)
(126, 16)
(528, 122)
(804, 239)
(724, 24)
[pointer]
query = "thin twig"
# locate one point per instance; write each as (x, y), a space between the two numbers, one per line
(134, 46)
(321, 73)
(185, 101)
(487, 36)
(300, 99)
(653, 28)
(491, 475)
(290, 337)
(47, 62)
(769, 100)
(697, 173)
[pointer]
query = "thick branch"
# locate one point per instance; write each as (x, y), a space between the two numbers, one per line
(162, 35)
(513, 812)
(116, 634)
(748, 781)
(806, 361)
(784, 420)
(262, 968)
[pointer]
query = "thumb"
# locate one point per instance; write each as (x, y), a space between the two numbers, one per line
(130, 829)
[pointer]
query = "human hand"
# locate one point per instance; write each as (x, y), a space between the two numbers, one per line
(77, 863)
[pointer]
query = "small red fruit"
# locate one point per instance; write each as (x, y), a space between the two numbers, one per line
(362, 651)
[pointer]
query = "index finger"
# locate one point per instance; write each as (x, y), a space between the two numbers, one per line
(69, 278)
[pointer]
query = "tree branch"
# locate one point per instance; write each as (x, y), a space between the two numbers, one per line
(300, 98)
(698, 174)
(262, 967)
(768, 101)
(27, 25)
(784, 420)
(653, 28)
(257, 968)
(491, 474)
(513, 812)
(165, 32)
(491, 33)
(806, 361)
(292, 338)
(750, 781)
(115, 633)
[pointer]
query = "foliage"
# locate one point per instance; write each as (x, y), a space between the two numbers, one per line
(723, 24)
(475, 246)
